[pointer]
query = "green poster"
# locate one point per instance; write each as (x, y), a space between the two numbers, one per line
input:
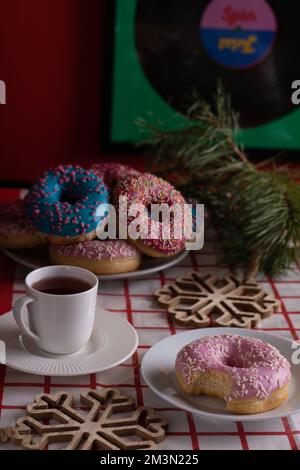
(163, 49)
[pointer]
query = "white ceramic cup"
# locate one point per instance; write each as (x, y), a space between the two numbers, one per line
(59, 324)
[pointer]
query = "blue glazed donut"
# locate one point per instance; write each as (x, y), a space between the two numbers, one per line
(63, 203)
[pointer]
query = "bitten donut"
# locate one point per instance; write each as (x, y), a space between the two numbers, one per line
(113, 173)
(99, 256)
(158, 238)
(16, 230)
(63, 204)
(250, 375)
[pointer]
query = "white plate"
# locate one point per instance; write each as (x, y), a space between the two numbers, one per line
(37, 257)
(113, 341)
(159, 373)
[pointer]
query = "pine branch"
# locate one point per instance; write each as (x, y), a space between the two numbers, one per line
(256, 210)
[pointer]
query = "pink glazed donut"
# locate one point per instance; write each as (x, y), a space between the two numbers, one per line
(98, 256)
(146, 189)
(16, 230)
(250, 375)
(112, 173)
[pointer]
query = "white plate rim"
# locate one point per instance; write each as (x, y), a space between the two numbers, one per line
(205, 414)
(169, 262)
(87, 371)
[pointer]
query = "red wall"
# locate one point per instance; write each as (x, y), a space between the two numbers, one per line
(50, 59)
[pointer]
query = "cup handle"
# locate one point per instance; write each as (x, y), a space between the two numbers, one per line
(18, 312)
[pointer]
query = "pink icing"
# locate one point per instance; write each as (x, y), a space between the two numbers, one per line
(147, 189)
(97, 249)
(169, 247)
(14, 221)
(257, 368)
(112, 173)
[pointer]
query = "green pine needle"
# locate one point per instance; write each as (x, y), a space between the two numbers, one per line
(256, 211)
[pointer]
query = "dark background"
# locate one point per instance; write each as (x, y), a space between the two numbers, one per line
(51, 57)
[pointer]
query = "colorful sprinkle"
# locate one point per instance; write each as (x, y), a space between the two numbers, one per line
(147, 189)
(97, 250)
(64, 191)
(257, 369)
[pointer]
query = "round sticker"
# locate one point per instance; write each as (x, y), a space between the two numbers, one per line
(238, 33)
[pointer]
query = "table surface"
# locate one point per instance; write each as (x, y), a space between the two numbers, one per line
(133, 300)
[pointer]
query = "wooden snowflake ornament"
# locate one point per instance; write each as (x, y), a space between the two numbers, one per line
(53, 418)
(200, 301)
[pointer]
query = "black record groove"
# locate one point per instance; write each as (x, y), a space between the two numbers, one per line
(174, 58)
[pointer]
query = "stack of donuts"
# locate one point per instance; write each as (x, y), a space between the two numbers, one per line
(61, 209)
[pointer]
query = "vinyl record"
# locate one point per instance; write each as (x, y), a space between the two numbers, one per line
(252, 46)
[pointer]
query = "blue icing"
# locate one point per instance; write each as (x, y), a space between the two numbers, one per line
(64, 201)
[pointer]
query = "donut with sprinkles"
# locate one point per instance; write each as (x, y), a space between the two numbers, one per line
(16, 230)
(113, 173)
(63, 204)
(249, 374)
(99, 256)
(157, 237)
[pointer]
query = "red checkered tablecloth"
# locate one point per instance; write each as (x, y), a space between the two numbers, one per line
(134, 301)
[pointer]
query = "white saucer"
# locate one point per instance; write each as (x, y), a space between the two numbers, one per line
(159, 373)
(37, 257)
(113, 341)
